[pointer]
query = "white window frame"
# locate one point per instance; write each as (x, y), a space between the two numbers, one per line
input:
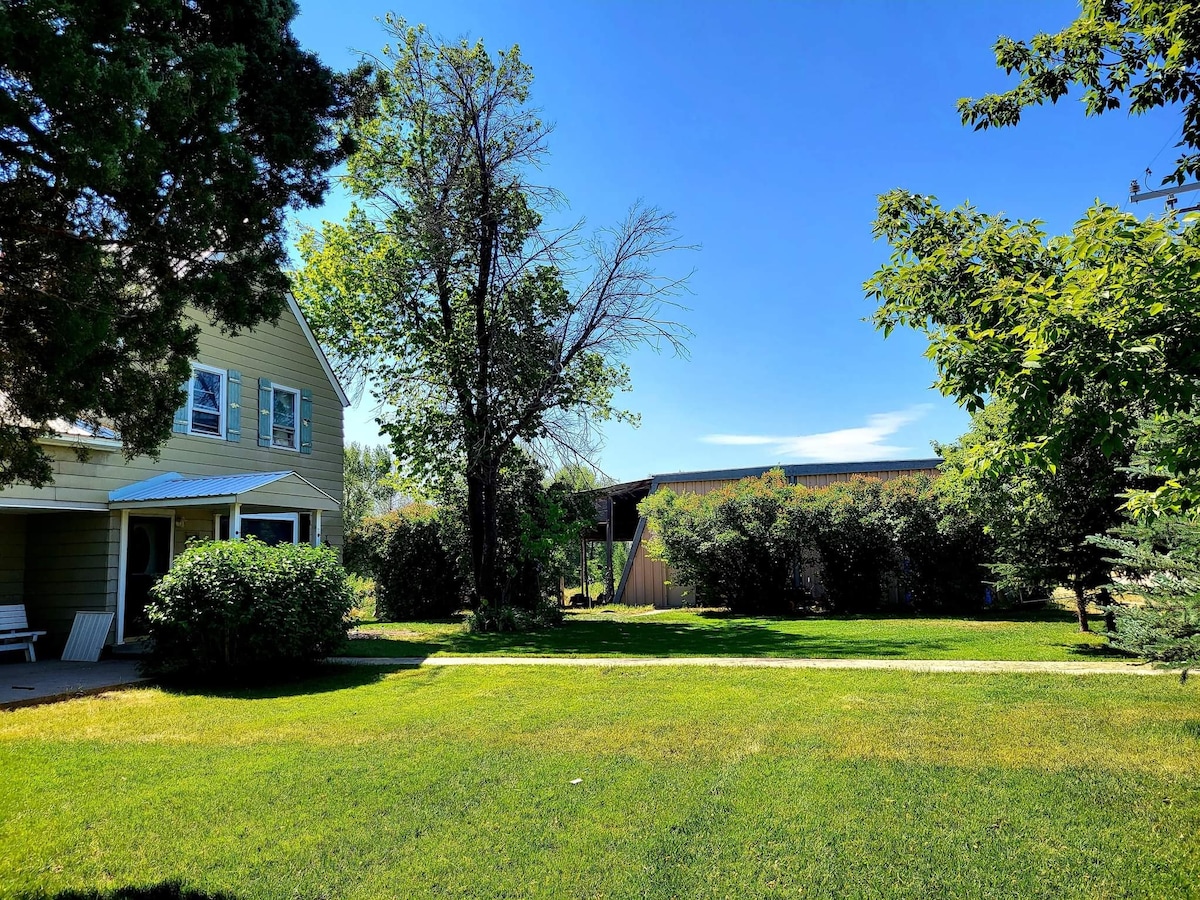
(295, 446)
(222, 402)
(293, 517)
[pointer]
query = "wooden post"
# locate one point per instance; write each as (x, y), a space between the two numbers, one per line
(609, 587)
(122, 574)
(235, 521)
(583, 572)
(315, 528)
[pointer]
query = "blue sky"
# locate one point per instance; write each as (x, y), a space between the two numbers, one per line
(769, 128)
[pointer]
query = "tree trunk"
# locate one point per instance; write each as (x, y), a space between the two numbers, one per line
(476, 531)
(1081, 604)
(483, 524)
(491, 530)
(1105, 602)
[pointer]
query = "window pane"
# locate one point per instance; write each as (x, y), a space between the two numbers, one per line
(206, 391)
(283, 437)
(206, 423)
(270, 531)
(285, 409)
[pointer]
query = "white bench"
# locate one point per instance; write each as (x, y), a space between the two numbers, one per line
(15, 633)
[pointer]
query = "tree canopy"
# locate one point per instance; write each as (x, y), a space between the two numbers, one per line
(1085, 346)
(149, 150)
(1086, 333)
(370, 485)
(1144, 53)
(485, 330)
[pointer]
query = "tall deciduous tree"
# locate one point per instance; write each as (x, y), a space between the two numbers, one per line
(485, 331)
(1145, 53)
(148, 152)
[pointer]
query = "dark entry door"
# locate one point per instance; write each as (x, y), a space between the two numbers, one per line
(148, 558)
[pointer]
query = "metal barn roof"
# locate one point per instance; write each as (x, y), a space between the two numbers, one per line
(800, 469)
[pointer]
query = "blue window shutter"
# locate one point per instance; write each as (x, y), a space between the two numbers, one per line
(233, 406)
(306, 399)
(180, 425)
(264, 412)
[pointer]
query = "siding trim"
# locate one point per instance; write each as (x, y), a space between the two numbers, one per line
(123, 570)
(63, 506)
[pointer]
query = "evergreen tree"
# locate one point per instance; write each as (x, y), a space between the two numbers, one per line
(149, 150)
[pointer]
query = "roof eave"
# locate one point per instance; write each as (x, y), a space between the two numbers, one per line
(104, 445)
(334, 381)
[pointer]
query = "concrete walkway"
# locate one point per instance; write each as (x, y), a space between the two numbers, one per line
(26, 684)
(966, 666)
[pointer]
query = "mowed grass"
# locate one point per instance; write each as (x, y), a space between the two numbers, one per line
(699, 783)
(1050, 634)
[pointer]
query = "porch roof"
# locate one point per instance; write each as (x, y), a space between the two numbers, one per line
(280, 489)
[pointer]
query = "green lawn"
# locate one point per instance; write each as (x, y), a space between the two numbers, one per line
(705, 783)
(616, 631)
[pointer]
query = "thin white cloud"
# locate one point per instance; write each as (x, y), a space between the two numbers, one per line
(844, 445)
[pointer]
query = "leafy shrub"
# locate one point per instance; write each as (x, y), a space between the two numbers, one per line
(229, 607)
(365, 543)
(735, 546)
(544, 614)
(851, 533)
(419, 556)
(873, 544)
(417, 576)
(364, 598)
(538, 528)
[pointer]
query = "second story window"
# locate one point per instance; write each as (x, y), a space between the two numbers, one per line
(206, 402)
(285, 415)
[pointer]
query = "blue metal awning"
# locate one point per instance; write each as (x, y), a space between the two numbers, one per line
(174, 488)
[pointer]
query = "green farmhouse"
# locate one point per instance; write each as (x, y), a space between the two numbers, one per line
(256, 450)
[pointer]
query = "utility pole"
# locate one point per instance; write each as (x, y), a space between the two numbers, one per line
(1137, 195)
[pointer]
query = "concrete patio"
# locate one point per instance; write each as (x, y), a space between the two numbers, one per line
(25, 684)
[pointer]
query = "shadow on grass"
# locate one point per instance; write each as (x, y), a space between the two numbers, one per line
(1098, 651)
(167, 890)
(318, 678)
(601, 638)
(1019, 615)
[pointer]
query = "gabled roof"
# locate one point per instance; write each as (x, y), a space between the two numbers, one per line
(316, 349)
(173, 488)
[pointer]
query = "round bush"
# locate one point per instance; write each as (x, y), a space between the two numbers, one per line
(235, 606)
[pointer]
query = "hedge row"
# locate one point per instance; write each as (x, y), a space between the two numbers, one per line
(762, 545)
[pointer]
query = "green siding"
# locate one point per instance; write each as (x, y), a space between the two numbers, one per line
(12, 559)
(276, 352)
(70, 566)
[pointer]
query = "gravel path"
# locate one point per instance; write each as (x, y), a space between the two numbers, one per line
(969, 666)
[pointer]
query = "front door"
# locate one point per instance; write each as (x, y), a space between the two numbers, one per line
(148, 558)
